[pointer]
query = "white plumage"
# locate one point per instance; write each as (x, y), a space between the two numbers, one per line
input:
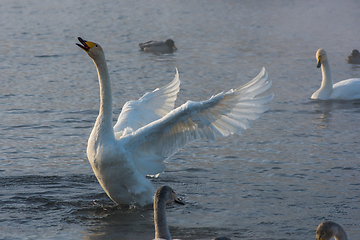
(149, 130)
(348, 89)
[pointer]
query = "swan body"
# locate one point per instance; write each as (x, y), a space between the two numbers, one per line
(348, 89)
(163, 196)
(158, 46)
(354, 57)
(327, 229)
(149, 130)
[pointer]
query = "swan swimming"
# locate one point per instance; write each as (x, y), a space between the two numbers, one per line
(149, 130)
(348, 89)
(158, 46)
(327, 229)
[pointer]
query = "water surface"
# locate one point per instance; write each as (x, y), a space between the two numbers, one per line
(297, 166)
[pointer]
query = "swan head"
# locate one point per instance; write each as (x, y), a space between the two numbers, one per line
(320, 57)
(167, 194)
(170, 43)
(94, 50)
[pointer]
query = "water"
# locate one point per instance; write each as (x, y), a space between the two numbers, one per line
(298, 164)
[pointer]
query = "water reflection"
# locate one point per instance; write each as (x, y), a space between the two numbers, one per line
(323, 114)
(122, 226)
(324, 110)
(112, 222)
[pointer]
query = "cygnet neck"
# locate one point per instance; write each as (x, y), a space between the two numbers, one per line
(340, 233)
(161, 227)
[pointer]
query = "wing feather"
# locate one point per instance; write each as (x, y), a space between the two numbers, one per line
(221, 115)
(150, 107)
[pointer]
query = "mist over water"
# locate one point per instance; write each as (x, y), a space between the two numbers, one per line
(297, 166)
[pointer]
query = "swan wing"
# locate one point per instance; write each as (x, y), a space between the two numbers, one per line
(150, 107)
(223, 114)
(348, 89)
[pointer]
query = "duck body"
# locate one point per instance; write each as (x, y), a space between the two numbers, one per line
(354, 57)
(348, 89)
(158, 46)
(150, 130)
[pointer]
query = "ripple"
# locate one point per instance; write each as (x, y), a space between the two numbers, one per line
(48, 56)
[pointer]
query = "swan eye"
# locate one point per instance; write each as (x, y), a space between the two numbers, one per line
(96, 45)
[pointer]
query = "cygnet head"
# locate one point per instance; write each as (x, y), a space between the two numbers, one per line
(170, 43)
(327, 229)
(94, 50)
(320, 57)
(166, 194)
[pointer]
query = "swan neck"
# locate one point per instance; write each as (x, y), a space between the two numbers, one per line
(161, 227)
(104, 119)
(327, 82)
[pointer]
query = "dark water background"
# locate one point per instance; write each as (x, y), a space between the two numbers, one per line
(297, 166)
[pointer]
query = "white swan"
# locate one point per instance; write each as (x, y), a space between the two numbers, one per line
(327, 229)
(148, 130)
(348, 89)
(163, 196)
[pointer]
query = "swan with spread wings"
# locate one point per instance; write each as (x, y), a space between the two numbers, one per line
(150, 130)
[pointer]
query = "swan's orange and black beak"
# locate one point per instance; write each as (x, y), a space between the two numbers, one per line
(318, 62)
(84, 45)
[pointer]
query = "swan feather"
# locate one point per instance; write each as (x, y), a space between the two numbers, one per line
(221, 115)
(348, 89)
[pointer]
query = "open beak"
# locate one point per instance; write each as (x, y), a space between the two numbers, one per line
(318, 63)
(84, 46)
(175, 47)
